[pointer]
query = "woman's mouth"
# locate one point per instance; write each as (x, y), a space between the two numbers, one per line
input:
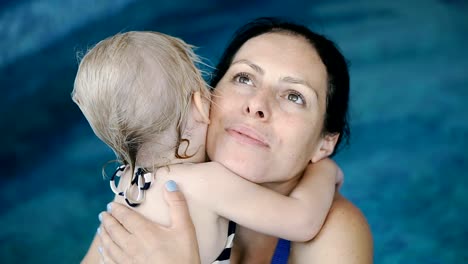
(247, 135)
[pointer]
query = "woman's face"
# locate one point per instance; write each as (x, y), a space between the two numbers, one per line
(268, 109)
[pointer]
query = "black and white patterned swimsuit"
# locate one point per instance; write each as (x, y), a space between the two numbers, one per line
(224, 257)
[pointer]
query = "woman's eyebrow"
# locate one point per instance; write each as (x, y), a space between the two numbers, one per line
(252, 65)
(289, 79)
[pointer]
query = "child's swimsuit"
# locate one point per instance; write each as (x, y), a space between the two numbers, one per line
(225, 255)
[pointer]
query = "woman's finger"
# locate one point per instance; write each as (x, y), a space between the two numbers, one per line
(131, 220)
(110, 252)
(105, 258)
(114, 230)
(178, 209)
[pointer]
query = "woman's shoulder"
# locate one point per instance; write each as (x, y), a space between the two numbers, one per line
(345, 237)
(343, 214)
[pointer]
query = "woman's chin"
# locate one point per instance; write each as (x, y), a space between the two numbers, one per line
(246, 170)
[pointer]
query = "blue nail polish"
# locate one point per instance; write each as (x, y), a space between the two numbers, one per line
(100, 250)
(109, 207)
(100, 217)
(99, 230)
(171, 186)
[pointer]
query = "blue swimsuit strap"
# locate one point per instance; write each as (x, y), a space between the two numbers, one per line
(281, 254)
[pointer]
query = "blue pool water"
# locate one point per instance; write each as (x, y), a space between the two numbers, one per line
(406, 166)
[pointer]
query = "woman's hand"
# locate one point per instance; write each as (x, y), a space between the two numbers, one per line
(128, 237)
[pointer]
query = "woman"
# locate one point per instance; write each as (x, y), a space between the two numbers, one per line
(267, 61)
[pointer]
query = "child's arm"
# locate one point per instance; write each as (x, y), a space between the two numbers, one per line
(316, 191)
(298, 217)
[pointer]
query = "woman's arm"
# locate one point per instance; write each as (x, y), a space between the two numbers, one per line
(297, 217)
(345, 238)
(92, 256)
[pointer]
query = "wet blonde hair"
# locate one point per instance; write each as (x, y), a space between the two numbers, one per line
(134, 86)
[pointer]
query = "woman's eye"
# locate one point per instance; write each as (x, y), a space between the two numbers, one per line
(296, 98)
(243, 78)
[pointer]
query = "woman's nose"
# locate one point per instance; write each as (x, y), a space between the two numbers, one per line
(258, 106)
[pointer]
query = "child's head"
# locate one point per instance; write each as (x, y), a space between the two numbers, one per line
(136, 88)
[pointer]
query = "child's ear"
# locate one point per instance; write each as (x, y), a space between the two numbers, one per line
(201, 108)
(326, 146)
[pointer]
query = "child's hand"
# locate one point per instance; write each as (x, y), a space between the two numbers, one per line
(339, 177)
(328, 165)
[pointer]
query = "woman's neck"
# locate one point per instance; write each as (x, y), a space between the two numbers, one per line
(251, 247)
(284, 188)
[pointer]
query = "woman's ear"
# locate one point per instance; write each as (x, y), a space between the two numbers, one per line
(326, 146)
(201, 107)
